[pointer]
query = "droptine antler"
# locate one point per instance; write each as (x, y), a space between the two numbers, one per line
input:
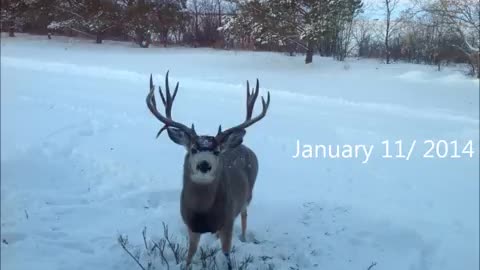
(167, 101)
(251, 98)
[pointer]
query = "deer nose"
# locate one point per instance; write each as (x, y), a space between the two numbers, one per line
(204, 166)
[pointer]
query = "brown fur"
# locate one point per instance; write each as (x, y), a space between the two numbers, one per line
(214, 207)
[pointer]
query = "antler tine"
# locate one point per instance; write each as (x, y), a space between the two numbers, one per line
(167, 102)
(170, 97)
(251, 98)
(159, 91)
(265, 106)
(167, 88)
(257, 87)
(152, 88)
(248, 99)
(151, 103)
(162, 96)
(160, 131)
(175, 91)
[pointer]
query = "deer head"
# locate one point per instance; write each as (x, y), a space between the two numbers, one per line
(204, 152)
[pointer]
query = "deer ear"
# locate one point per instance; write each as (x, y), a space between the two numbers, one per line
(178, 136)
(232, 140)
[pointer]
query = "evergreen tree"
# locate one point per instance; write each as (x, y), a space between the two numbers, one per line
(90, 17)
(308, 24)
(13, 14)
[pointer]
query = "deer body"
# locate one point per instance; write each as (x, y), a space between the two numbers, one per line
(210, 207)
(219, 172)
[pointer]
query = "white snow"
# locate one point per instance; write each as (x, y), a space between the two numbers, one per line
(80, 163)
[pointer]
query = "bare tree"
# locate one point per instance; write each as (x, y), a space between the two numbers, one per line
(390, 7)
(362, 34)
(462, 16)
(195, 11)
(206, 18)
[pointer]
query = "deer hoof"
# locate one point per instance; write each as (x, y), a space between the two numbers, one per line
(186, 266)
(243, 238)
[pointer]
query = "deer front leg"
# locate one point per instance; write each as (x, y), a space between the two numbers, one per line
(194, 238)
(226, 239)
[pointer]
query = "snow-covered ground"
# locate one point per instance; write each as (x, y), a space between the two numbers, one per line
(80, 163)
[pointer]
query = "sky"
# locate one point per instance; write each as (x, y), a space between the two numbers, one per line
(377, 10)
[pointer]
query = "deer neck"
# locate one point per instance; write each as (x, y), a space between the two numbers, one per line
(200, 197)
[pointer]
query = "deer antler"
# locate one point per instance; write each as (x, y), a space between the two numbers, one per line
(167, 101)
(251, 98)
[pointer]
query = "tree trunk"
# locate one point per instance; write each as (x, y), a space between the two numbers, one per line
(197, 35)
(219, 3)
(143, 39)
(11, 29)
(99, 38)
(387, 31)
(476, 63)
(387, 46)
(291, 48)
(309, 56)
(164, 34)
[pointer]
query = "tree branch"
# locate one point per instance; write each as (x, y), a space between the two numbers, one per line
(123, 242)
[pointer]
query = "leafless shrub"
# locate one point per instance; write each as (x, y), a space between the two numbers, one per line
(160, 246)
(168, 251)
(245, 262)
(207, 257)
(123, 241)
(179, 252)
(265, 258)
(372, 265)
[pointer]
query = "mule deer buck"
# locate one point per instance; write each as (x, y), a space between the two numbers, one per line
(219, 172)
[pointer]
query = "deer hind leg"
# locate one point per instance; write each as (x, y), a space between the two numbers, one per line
(226, 239)
(243, 217)
(194, 238)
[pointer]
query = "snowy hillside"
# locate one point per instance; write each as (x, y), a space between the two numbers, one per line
(80, 163)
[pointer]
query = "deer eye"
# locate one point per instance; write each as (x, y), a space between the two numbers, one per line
(216, 152)
(194, 151)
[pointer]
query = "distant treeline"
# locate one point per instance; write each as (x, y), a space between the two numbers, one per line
(429, 32)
